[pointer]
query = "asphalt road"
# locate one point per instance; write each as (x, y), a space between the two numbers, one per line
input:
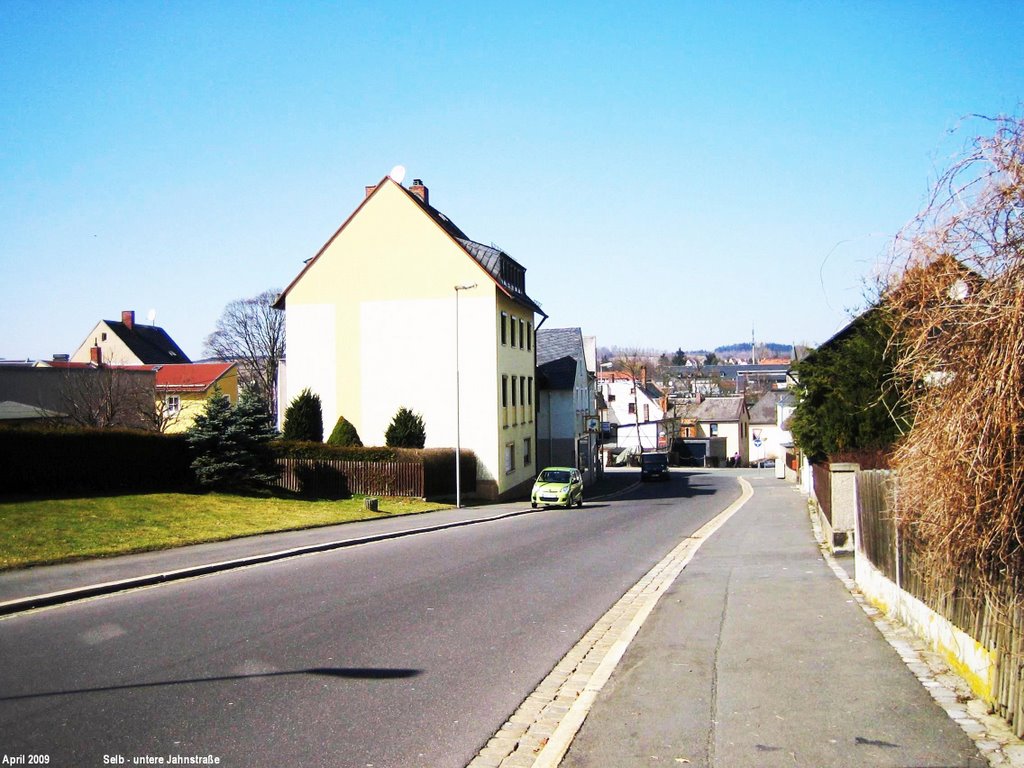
(409, 652)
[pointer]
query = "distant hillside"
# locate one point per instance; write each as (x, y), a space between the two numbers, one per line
(777, 350)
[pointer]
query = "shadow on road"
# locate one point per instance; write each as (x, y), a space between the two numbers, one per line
(348, 673)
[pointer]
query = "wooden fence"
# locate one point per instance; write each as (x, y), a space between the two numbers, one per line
(336, 479)
(878, 534)
(993, 616)
(822, 477)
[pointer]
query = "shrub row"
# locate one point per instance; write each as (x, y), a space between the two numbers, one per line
(93, 461)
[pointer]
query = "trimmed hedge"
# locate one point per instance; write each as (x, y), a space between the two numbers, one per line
(85, 461)
(93, 461)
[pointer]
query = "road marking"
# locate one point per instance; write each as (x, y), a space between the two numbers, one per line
(544, 726)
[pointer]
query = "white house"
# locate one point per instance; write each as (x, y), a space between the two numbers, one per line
(636, 409)
(767, 426)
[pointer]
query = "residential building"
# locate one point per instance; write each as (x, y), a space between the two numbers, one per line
(401, 308)
(768, 434)
(726, 417)
(567, 423)
(182, 390)
(82, 393)
(635, 409)
(126, 342)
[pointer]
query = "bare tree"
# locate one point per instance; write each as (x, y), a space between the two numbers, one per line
(634, 362)
(250, 332)
(110, 396)
(954, 297)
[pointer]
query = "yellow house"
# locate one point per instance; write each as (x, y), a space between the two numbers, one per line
(371, 327)
(181, 390)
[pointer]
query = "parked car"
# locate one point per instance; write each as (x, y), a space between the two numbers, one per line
(654, 465)
(763, 463)
(561, 486)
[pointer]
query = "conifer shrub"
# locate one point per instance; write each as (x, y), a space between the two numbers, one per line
(406, 430)
(344, 434)
(230, 446)
(304, 418)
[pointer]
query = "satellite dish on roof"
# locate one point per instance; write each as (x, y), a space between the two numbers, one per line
(398, 174)
(151, 316)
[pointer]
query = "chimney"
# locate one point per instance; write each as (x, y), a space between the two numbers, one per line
(420, 191)
(96, 355)
(128, 318)
(370, 188)
(643, 376)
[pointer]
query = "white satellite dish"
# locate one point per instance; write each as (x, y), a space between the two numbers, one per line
(151, 316)
(398, 174)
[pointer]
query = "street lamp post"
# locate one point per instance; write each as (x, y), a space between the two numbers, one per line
(458, 398)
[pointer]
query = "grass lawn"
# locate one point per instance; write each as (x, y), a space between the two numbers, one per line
(53, 531)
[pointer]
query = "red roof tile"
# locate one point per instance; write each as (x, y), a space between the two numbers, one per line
(192, 376)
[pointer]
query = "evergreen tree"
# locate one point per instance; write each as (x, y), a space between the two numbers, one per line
(304, 418)
(406, 430)
(230, 445)
(344, 433)
(847, 400)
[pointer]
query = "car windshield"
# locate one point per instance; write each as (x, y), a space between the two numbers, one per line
(554, 476)
(655, 458)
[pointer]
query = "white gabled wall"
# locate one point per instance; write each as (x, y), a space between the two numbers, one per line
(310, 338)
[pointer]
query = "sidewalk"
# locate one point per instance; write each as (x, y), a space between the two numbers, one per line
(758, 656)
(104, 575)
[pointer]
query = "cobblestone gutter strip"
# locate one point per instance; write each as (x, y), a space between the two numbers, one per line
(992, 735)
(541, 731)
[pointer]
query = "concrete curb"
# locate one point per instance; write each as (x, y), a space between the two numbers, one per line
(21, 604)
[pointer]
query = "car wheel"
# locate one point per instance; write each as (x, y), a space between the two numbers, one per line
(580, 502)
(534, 505)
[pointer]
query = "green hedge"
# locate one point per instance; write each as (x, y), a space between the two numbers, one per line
(93, 461)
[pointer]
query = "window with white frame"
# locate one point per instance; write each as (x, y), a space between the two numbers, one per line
(172, 405)
(510, 458)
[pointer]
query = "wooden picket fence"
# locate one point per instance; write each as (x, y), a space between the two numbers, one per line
(992, 616)
(334, 478)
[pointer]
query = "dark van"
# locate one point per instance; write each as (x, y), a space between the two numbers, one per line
(654, 466)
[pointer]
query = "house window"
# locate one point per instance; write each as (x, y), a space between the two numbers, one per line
(510, 458)
(504, 401)
(527, 451)
(632, 408)
(521, 334)
(529, 395)
(172, 405)
(504, 328)
(713, 430)
(611, 398)
(529, 335)
(647, 412)
(515, 411)
(522, 399)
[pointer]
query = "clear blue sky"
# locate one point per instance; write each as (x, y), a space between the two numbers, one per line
(670, 174)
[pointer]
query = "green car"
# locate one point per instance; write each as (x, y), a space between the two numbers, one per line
(561, 486)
